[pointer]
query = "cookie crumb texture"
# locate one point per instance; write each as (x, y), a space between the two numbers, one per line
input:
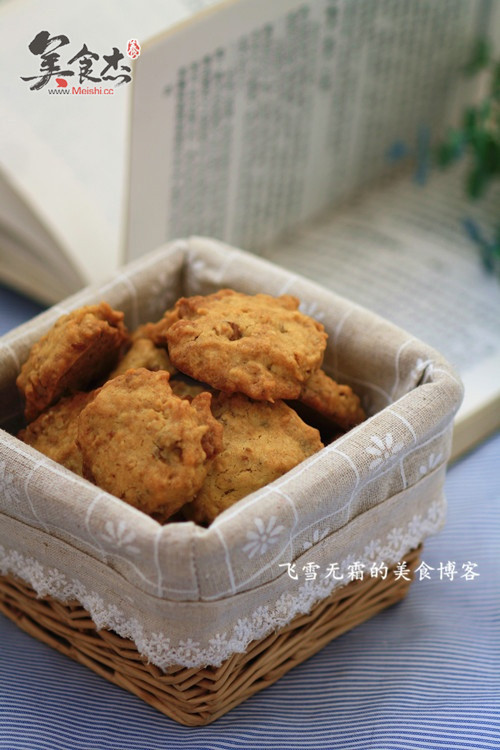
(258, 345)
(143, 353)
(54, 432)
(145, 445)
(262, 441)
(80, 348)
(334, 401)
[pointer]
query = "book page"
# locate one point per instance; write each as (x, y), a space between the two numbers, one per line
(66, 155)
(29, 272)
(258, 115)
(20, 224)
(403, 251)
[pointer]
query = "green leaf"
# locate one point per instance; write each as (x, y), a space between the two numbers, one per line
(497, 240)
(485, 110)
(444, 155)
(479, 144)
(451, 148)
(495, 82)
(476, 183)
(480, 58)
(480, 132)
(492, 156)
(470, 121)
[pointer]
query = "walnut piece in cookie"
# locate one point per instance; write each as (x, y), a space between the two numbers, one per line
(143, 353)
(335, 402)
(262, 441)
(258, 345)
(80, 348)
(54, 432)
(145, 445)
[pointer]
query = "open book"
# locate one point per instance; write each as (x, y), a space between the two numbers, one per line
(292, 128)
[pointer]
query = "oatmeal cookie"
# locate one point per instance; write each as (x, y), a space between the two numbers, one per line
(143, 353)
(258, 345)
(156, 331)
(54, 431)
(144, 444)
(185, 387)
(335, 402)
(262, 441)
(80, 348)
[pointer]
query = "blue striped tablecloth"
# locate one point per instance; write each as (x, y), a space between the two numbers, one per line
(424, 674)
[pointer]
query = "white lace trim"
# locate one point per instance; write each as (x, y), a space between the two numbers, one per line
(158, 648)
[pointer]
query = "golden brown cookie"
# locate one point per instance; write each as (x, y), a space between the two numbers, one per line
(262, 441)
(156, 331)
(185, 387)
(143, 353)
(335, 402)
(54, 431)
(328, 430)
(80, 348)
(144, 444)
(258, 345)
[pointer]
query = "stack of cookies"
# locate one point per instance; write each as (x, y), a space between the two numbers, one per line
(187, 415)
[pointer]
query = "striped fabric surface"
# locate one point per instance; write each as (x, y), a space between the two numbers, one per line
(424, 674)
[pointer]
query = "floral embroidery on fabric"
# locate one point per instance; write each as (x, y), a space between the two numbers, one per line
(317, 536)
(259, 541)
(383, 449)
(189, 648)
(432, 461)
(219, 641)
(395, 537)
(415, 524)
(7, 487)
(372, 550)
(158, 647)
(120, 536)
(435, 511)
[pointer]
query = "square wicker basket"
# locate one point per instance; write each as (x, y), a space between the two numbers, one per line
(196, 620)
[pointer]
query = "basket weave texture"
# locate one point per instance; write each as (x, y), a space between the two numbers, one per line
(198, 696)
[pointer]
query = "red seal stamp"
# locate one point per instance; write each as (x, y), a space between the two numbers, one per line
(133, 48)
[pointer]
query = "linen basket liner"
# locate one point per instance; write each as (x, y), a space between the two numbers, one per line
(191, 596)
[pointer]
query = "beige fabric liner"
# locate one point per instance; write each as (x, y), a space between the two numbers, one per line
(192, 596)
